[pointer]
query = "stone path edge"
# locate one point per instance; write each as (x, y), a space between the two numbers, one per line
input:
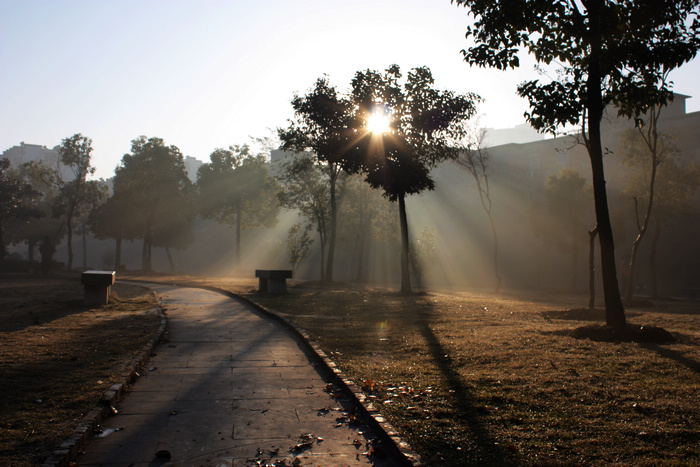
(386, 432)
(70, 448)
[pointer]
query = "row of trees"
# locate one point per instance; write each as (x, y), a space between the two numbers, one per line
(601, 52)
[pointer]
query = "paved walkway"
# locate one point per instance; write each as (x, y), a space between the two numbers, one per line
(229, 388)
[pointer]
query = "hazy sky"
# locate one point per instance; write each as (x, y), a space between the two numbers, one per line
(206, 74)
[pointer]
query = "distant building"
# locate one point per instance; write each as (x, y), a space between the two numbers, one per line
(522, 133)
(18, 155)
(30, 152)
(192, 165)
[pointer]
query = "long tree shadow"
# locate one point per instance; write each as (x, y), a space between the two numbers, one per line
(487, 450)
(674, 355)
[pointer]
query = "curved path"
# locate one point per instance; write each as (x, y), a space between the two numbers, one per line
(229, 387)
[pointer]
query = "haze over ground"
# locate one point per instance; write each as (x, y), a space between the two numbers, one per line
(209, 74)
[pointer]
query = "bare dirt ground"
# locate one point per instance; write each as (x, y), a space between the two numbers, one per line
(467, 379)
(58, 357)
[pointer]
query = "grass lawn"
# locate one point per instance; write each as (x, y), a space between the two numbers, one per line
(483, 380)
(479, 379)
(58, 357)
(467, 379)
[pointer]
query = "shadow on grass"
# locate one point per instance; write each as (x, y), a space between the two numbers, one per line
(486, 449)
(674, 355)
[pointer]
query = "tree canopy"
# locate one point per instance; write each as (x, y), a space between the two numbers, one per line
(235, 188)
(425, 127)
(154, 184)
(17, 200)
(304, 186)
(320, 127)
(602, 52)
(69, 176)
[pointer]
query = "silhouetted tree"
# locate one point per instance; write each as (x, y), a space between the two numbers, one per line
(657, 177)
(235, 188)
(17, 201)
(114, 219)
(77, 194)
(304, 186)
(425, 127)
(153, 181)
(320, 127)
(475, 160)
(298, 245)
(644, 150)
(367, 217)
(606, 52)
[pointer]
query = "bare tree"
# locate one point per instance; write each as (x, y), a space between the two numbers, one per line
(475, 159)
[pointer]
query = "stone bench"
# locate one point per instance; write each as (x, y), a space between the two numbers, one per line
(273, 280)
(98, 285)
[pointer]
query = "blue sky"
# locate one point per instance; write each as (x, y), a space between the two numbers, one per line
(211, 73)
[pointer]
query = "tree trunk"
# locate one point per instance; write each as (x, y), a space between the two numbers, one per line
(118, 254)
(591, 268)
(31, 246)
(322, 243)
(614, 311)
(405, 272)
(574, 260)
(83, 232)
(170, 259)
(238, 239)
(3, 251)
(146, 262)
(495, 253)
(652, 258)
(360, 257)
(69, 226)
(334, 216)
(642, 230)
(651, 139)
(144, 252)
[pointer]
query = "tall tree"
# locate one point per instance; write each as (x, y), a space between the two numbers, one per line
(304, 186)
(69, 176)
(424, 128)
(235, 188)
(643, 150)
(607, 52)
(153, 181)
(475, 160)
(367, 217)
(113, 219)
(17, 200)
(320, 127)
(656, 176)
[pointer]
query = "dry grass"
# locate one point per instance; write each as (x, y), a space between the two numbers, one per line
(473, 379)
(484, 380)
(57, 358)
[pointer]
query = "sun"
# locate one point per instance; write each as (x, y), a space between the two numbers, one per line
(378, 122)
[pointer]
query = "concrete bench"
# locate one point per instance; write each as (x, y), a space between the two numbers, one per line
(98, 285)
(273, 280)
